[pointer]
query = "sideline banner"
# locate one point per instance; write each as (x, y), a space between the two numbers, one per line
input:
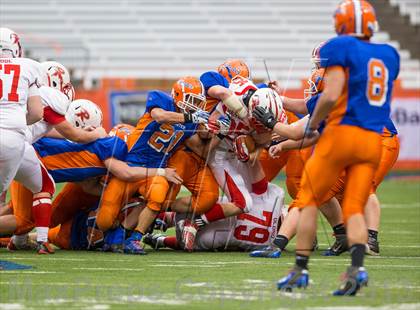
(127, 106)
(406, 117)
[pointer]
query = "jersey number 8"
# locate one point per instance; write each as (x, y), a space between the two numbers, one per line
(377, 86)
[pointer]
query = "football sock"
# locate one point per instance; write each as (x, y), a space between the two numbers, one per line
(214, 214)
(170, 242)
(281, 241)
(373, 234)
(302, 261)
(41, 211)
(357, 252)
(339, 229)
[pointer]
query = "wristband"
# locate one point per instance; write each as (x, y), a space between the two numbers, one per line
(161, 172)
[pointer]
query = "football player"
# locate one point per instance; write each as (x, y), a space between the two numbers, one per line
(163, 127)
(357, 110)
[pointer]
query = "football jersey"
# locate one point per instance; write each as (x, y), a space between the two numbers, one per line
(19, 80)
(151, 143)
(247, 231)
(210, 79)
(55, 107)
(370, 72)
(73, 162)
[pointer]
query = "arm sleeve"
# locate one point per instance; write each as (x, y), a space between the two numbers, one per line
(212, 78)
(334, 52)
(159, 99)
(111, 147)
(311, 103)
(52, 117)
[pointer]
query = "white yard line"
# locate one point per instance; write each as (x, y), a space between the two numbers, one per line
(385, 307)
(107, 269)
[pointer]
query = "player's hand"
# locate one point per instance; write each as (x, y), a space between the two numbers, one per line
(275, 150)
(219, 126)
(274, 85)
(172, 176)
(198, 117)
(241, 150)
(100, 132)
(265, 117)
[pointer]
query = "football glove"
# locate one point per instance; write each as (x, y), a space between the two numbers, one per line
(241, 150)
(198, 117)
(265, 117)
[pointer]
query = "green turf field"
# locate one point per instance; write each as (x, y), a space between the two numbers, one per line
(170, 280)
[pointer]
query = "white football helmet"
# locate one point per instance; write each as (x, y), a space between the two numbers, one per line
(269, 100)
(9, 43)
(84, 113)
(58, 77)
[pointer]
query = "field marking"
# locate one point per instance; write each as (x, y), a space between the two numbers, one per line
(400, 205)
(13, 306)
(196, 284)
(184, 265)
(409, 246)
(414, 306)
(104, 268)
(31, 271)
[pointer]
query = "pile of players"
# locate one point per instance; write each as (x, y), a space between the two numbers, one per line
(216, 133)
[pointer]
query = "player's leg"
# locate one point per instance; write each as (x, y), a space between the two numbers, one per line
(61, 235)
(294, 169)
(154, 190)
(390, 152)
(35, 177)
(273, 166)
(12, 149)
(69, 201)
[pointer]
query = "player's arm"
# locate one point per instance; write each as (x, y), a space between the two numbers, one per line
(202, 147)
(229, 99)
(162, 116)
(293, 145)
(79, 135)
(334, 84)
(293, 105)
(126, 173)
(35, 109)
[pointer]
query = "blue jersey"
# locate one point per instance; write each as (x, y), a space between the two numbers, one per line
(370, 72)
(310, 105)
(73, 162)
(151, 144)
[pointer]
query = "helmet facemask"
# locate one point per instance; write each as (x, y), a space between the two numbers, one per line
(192, 102)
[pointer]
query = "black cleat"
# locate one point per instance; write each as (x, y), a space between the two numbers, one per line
(372, 247)
(154, 241)
(340, 246)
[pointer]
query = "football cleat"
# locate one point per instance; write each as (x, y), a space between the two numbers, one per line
(114, 240)
(340, 246)
(45, 248)
(133, 247)
(354, 279)
(268, 252)
(154, 241)
(188, 235)
(372, 247)
(297, 278)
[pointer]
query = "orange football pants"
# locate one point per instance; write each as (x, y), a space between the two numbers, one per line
(61, 235)
(294, 160)
(390, 152)
(117, 193)
(197, 178)
(342, 148)
(71, 199)
(21, 204)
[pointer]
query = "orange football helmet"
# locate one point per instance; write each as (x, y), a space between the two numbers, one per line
(188, 94)
(233, 67)
(316, 83)
(315, 57)
(122, 131)
(356, 18)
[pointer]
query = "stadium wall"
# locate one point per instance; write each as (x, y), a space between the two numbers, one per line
(122, 100)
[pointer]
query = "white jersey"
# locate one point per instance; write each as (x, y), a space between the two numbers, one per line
(58, 102)
(241, 88)
(20, 79)
(247, 231)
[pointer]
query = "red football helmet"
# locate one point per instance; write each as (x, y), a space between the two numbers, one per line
(188, 94)
(234, 67)
(316, 83)
(356, 18)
